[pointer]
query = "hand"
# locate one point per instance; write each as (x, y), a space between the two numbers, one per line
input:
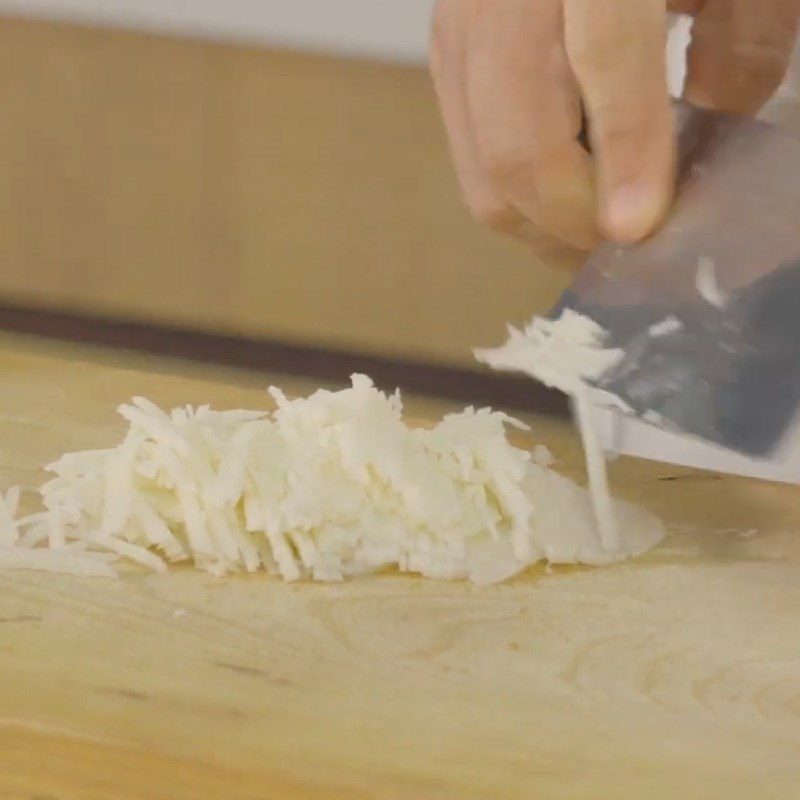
(511, 75)
(740, 51)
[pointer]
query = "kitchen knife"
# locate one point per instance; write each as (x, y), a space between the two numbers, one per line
(707, 310)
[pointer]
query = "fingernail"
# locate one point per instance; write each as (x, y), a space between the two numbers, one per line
(633, 212)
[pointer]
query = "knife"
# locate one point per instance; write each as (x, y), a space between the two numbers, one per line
(707, 310)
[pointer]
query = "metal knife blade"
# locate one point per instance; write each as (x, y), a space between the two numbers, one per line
(707, 311)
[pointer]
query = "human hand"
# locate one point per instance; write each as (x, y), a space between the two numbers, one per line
(512, 76)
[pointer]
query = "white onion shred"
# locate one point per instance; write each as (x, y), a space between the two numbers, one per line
(567, 353)
(9, 526)
(706, 283)
(563, 353)
(324, 488)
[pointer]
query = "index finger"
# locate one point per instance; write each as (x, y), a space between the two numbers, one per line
(617, 51)
(525, 113)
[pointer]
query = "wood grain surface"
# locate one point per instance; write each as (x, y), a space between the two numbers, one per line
(675, 676)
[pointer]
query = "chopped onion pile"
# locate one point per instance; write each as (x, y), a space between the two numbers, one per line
(325, 487)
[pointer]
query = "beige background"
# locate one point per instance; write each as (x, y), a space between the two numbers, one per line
(298, 197)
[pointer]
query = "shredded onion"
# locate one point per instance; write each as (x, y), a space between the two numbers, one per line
(325, 487)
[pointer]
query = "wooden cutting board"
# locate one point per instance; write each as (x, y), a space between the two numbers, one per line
(675, 676)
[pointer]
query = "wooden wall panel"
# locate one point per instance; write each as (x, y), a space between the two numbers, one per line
(290, 196)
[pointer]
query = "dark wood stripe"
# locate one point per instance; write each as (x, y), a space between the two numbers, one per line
(467, 386)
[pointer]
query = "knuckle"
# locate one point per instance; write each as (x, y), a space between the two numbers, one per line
(618, 126)
(490, 211)
(505, 161)
(618, 131)
(444, 22)
(601, 51)
(591, 58)
(445, 33)
(439, 20)
(763, 69)
(438, 33)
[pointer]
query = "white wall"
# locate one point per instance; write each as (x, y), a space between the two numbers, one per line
(387, 29)
(392, 30)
